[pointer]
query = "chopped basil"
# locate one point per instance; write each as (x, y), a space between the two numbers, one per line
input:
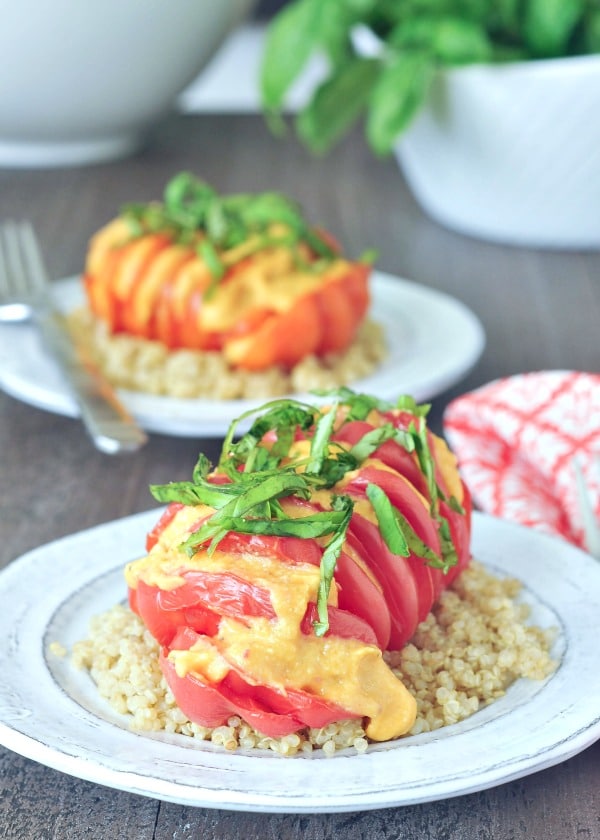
(388, 520)
(196, 215)
(261, 468)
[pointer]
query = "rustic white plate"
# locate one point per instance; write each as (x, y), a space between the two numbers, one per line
(434, 340)
(51, 713)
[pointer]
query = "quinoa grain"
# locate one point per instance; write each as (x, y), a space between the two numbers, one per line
(139, 364)
(470, 648)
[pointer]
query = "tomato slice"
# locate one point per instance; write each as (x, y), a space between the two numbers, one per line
(460, 533)
(404, 497)
(342, 623)
(360, 595)
(396, 578)
(307, 708)
(212, 705)
(199, 602)
(163, 624)
(222, 592)
(390, 453)
(286, 549)
(270, 711)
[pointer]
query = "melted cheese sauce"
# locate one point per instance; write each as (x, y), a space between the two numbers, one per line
(448, 467)
(270, 280)
(345, 672)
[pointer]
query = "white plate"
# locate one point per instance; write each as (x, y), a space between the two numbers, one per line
(433, 340)
(51, 713)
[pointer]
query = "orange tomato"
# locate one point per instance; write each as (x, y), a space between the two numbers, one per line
(154, 288)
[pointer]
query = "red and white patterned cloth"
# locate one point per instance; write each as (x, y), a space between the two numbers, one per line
(515, 440)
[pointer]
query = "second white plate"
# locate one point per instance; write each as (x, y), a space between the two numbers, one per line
(433, 341)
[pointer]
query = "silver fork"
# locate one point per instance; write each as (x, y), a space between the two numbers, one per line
(25, 294)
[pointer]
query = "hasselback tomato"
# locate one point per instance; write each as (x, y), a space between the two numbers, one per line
(275, 581)
(244, 275)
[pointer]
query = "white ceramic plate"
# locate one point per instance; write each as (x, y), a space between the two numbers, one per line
(51, 713)
(434, 340)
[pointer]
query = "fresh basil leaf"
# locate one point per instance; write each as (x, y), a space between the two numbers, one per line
(334, 469)
(387, 518)
(329, 560)
(425, 458)
(549, 24)
(272, 416)
(201, 469)
(371, 441)
(319, 445)
(337, 104)
(457, 41)
(455, 505)
(305, 527)
(208, 253)
(407, 403)
(398, 93)
(360, 405)
(449, 555)
(291, 38)
(188, 493)
(416, 545)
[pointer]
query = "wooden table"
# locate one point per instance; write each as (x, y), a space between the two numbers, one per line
(541, 310)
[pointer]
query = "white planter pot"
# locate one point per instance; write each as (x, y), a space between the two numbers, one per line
(511, 153)
(84, 81)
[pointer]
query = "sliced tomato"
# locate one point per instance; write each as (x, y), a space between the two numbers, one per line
(287, 549)
(223, 592)
(390, 453)
(339, 320)
(460, 533)
(342, 623)
(272, 712)
(361, 595)
(163, 624)
(396, 578)
(284, 338)
(211, 706)
(404, 497)
(200, 602)
(309, 709)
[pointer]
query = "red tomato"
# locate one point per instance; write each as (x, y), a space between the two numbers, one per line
(222, 592)
(402, 495)
(163, 624)
(361, 595)
(391, 453)
(396, 578)
(287, 549)
(342, 623)
(211, 705)
(460, 532)
(199, 603)
(274, 713)
(308, 708)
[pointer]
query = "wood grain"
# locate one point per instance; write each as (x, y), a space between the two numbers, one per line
(540, 310)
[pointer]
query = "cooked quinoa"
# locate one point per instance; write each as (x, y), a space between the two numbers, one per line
(466, 653)
(139, 364)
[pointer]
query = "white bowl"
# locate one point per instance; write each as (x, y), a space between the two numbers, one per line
(511, 153)
(84, 80)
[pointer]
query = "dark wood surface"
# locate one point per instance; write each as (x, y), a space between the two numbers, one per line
(540, 310)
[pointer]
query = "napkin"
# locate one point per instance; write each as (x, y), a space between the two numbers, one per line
(516, 440)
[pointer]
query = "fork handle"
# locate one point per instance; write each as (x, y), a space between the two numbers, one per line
(107, 421)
